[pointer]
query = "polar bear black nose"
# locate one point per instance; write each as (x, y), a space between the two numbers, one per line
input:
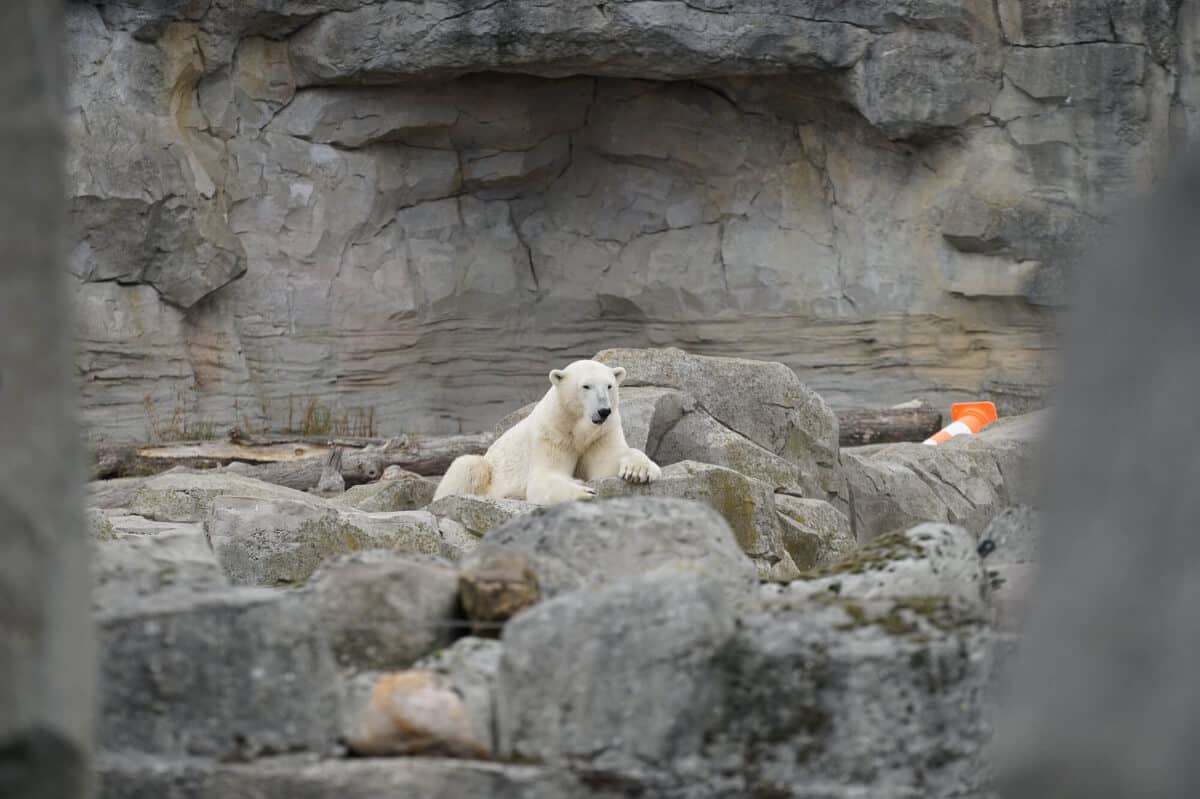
(604, 413)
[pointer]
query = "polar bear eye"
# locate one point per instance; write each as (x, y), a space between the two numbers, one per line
(587, 388)
(610, 386)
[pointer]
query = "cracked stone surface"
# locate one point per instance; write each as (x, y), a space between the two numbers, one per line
(363, 204)
(967, 481)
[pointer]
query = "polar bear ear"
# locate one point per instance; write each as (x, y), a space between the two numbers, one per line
(619, 373)
(557, 376)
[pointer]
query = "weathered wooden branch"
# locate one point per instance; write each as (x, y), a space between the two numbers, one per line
(126, 461)
(236, 436)
(331, 481)
(305, 474)
(860, 426)
(425, 456)
(292, 462)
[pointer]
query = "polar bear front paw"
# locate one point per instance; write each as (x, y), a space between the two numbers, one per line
(556, 489)
(635, 467)
(573, 491)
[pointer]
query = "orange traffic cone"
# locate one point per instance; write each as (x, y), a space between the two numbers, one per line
(969, 418)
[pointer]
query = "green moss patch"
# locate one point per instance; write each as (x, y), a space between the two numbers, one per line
(873, 557)
(907, 615)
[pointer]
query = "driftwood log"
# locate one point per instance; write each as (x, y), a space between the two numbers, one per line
(357, 467)
(141, 460)
(860, 426)
(292, 462)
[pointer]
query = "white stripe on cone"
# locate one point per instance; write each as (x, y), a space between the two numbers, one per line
(953, 429)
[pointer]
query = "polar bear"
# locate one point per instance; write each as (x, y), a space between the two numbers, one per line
(573, 434)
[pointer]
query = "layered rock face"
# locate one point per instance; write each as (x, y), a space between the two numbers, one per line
(418, 208)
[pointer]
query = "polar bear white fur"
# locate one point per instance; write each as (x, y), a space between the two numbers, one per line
(573, 434)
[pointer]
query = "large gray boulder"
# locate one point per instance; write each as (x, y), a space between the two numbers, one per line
(877, 698)
(648, 414)
(653, 683)
(965, 481)
(584, 545)
(814, 533)
(763, 402)
(383, 611)
(929, 560)
(618, 679)
(745, 503)
(477, 515)
(281, 542)
(230, 674)
(181, 495)
(399, 490)
(699, 437)
(133, 558)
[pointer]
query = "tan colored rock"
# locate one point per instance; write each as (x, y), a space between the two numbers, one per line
(471, 664)
(415, 713)
(495, 589)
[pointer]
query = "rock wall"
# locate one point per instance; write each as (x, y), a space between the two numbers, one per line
(414, 210)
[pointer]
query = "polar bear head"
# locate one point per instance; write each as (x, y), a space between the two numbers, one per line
(588, 388)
